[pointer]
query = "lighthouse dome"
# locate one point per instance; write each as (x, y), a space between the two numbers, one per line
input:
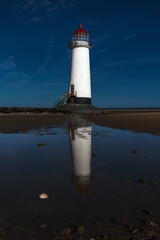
(80, 35)
(80, 30)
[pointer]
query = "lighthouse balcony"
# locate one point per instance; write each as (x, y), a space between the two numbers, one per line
(80, 43)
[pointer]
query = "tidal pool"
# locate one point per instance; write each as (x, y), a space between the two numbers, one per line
(90, 175)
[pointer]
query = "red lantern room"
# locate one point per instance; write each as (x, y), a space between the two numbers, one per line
(80, 35)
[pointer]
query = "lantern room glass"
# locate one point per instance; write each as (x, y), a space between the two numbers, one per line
(80, 37)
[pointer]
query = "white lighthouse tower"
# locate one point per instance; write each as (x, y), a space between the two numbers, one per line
(80, 80)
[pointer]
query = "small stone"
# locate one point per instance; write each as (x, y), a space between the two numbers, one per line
(41, 144)
(115, 220)
(135, 230)
(43, 225)
(142, 180)
(43, 196)
(97, 223)
(79, 238)
(19, 228)
(154, 183)
(98, 238)
(150, 223)
(94, 155)
(65, 232)
(148, 212)
(132, 228)
(105, 237)
(134, 151)
(80, 230)
(2, 233)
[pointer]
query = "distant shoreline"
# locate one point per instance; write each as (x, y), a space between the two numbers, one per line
(38, 110)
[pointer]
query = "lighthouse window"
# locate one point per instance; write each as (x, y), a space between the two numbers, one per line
(80, 37)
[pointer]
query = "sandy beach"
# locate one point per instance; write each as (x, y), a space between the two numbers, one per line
(138, 121)
(147, 121)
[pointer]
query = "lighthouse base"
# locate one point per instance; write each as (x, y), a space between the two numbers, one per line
(80, 108)
(79, 100)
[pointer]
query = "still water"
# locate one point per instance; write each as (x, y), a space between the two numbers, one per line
(90, 175)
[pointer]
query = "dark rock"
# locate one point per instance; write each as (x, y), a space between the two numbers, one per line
(64, 234)
(150, 223)
(80, 230)
(148, 212)
(134, 151)
(65, 231)
(142, 180)
(105, 237)
(41, 144)
(2, 233)
(154, 183)
(43, 225)
(115, 220)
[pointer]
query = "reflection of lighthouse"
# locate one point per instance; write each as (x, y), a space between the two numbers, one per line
(80, 141)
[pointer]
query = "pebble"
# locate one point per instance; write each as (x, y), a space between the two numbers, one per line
(65, 232)
(19, 228)
(154, 183)
(150, 223)
(41, 144)
(105, 237)
(142, 180)
(80, 230)
(148, 212)
(132, 228)
(43, 225)
(2, 233)
(134, 151)
(115, 220)
(43, 196)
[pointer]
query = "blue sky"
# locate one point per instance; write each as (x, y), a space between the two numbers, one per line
(35, 59)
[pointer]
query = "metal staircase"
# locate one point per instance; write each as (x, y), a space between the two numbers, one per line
(62, 100)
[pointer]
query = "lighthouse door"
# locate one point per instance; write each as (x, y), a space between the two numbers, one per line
(72, 89)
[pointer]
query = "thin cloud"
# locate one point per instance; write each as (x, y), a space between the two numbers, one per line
(101, 38)
(118, 63)
(37, 19)
(42, 8)
(7, 64)
(91, 21)
(129, 36)
(101, 51)
(14, 74)
(31, 2)
(48, 84)
(52, 9)
(48, 58)
(46, 3)
(66, 4)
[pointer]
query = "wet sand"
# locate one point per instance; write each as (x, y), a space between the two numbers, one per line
(138, 121)
(16, 123)
(135, 120)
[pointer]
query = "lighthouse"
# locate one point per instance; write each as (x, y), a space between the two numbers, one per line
(79, 87)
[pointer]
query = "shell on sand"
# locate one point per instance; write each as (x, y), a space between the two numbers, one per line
(43, 196)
